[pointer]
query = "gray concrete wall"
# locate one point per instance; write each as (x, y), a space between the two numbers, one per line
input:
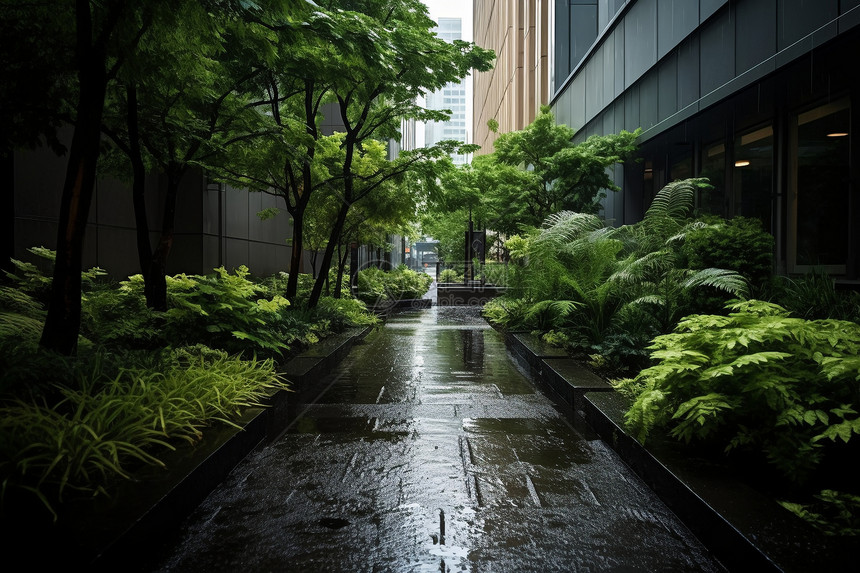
(215, 225)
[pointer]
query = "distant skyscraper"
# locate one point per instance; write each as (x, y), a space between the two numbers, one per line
(452, 97)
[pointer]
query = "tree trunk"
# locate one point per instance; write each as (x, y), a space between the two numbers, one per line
(333, 240)
(63, 322)
(138, 186)
(7, 241)
(155, 288)
(298, 215)
(341, 267)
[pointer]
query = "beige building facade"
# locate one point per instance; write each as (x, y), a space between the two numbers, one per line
(513, 91)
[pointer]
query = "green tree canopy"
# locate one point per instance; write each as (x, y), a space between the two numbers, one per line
(531, 174)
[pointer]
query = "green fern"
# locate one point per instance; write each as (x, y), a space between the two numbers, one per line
(831, 512)
(757, 380)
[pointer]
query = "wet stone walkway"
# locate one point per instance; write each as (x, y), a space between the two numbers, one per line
(431, 451)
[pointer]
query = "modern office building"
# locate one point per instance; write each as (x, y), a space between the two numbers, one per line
(216, 225)
(518, 31)
(757, 95)
(454, 97)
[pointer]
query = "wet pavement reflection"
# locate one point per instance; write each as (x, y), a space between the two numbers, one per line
(431, 451)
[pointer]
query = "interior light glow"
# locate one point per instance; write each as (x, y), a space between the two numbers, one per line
(837, 134)
(742, 163)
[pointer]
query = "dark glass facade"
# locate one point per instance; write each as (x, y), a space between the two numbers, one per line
(753, 94)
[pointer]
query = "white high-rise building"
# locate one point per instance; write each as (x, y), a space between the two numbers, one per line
(455, 97)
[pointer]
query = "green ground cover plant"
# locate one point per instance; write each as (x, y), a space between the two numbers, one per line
(814, 295)
(450, 276)
(234, 311)
(141, 381)
(119, 412)
(761, 386)
(378, 286)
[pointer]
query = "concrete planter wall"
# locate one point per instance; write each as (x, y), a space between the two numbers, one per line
(459, 294)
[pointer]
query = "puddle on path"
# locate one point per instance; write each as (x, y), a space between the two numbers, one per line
(432, 452)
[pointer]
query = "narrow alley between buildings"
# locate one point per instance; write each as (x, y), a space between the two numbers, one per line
(432, 451)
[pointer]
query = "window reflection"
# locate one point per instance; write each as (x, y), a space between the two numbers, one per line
(752, 178)
(712, 201)
(681, 168)
(821, 179)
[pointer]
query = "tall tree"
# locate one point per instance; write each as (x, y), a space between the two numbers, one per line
(390, 208)
(556, 173)
(368, 59)
(182, 97)
(376, 87)
(104, 31)
(305, 44)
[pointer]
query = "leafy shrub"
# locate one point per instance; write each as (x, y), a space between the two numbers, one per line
(814, 296)
(739, 244)
(495, 273)
(375, 285)
(276, 284)
(344, 313)
(222, 308)
(507, 312)
(120, 413)
(450, 276)
(610, 290)
(832, 512)
(116, 315)
(227, 311)
(35, 278)
(757, 380)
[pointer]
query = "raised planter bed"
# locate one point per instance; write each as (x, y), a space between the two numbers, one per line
(460, 294)
(385, 308)
(107, 533)
(745, 528)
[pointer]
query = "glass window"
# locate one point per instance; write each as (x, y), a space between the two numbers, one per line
(752, 177)
(713, 201)
(681, 168)
(820, 169)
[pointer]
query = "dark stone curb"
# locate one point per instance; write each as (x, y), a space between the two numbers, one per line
(386, 308)
(458, 294)
(745, 529)
(120, 532)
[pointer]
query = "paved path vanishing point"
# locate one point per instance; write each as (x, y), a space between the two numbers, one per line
(431, 451)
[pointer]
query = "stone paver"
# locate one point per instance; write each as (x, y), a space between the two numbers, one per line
(431, 451)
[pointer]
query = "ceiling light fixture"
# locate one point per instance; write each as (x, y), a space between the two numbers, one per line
(742, 163)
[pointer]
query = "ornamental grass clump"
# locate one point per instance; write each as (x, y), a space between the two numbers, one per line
(119, 415)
